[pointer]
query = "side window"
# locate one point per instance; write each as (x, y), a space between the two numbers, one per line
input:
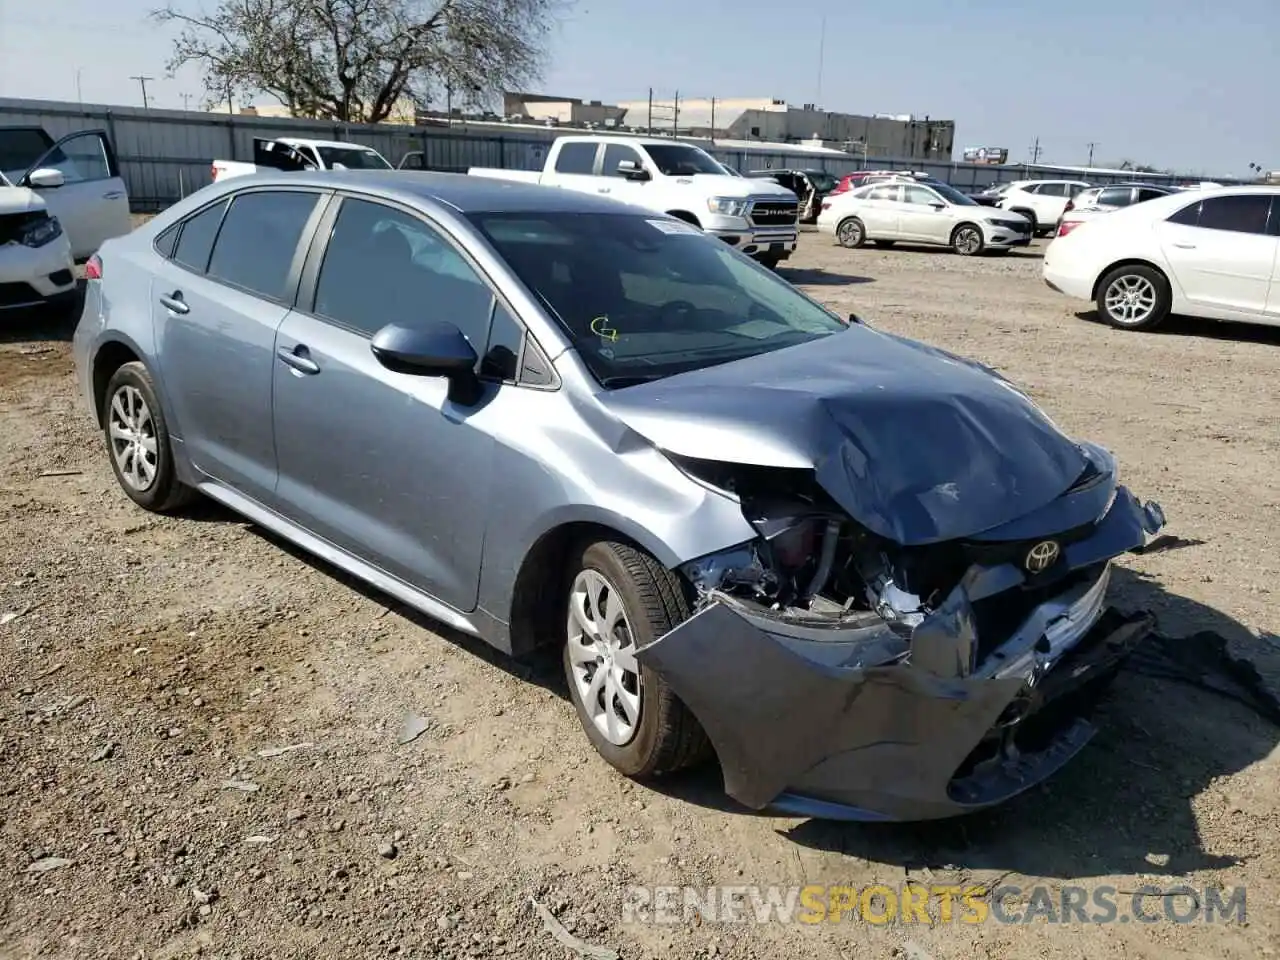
(1115, 196)
(576, 158)
(501, 358)
(1242, 213)
(1052, 190)
(384, 266)
(258, 239)
(1145, 195)
(82, 159)
(1188, 216)
(614, 154)
(414, 161)
(195, 242)
(885, 192)
(920, 195)
(167, 241)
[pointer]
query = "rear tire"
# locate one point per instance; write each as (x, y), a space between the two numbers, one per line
(851, 233)
(1134, 297)
(138, 444)
(771, 262)
(664, 736)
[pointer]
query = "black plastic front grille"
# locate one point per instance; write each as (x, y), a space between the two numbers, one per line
(775, 213)
(17, 294)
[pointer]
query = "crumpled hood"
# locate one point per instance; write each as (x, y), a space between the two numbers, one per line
(19, 200)
(918, 445)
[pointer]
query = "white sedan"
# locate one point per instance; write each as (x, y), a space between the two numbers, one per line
(1206, 253)
(885, 213)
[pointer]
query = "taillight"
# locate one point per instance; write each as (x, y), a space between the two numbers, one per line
(93, 268)
(1066, 226)
(213, 171)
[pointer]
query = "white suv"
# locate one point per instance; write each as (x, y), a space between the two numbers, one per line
(1040, 201)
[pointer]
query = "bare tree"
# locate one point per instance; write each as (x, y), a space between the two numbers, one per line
(353, 60)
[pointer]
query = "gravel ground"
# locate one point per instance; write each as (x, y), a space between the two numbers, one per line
(152, 671)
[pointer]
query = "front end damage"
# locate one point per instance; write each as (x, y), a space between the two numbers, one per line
(843, 675)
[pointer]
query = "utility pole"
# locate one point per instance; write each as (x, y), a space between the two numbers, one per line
(143, 82)
(79, 95)
(1091, 146)
(186, 101)
(675, 115)
(713, 119)
(1035, 151)
(649, 127)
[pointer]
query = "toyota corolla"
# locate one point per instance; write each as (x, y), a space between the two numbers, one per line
(868, 576)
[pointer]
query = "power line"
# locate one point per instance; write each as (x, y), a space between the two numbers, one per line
(143, 82)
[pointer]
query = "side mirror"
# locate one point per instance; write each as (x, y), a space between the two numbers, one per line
(632, 170)
(938, 206)
(431, 350)
(46, 178)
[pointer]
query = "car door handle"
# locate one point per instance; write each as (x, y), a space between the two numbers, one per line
(299, 358)
(175, 303)
(1185, 246)
(603, 189)
(113, 195)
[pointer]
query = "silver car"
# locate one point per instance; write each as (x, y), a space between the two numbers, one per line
(869, 576)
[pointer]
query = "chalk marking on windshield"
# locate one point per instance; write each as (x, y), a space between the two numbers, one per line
(600, 327)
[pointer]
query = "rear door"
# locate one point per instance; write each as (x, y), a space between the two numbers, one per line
(216, 304)
(1222, 251)
(92, 204)
(573, 167)
(881, 211)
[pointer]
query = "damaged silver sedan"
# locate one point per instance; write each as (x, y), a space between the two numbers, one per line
(866, 575)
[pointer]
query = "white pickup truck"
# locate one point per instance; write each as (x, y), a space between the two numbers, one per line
(758, 217)
(295, 153)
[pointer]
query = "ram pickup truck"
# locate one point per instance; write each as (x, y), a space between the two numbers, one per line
(759, 217)
(294, 153)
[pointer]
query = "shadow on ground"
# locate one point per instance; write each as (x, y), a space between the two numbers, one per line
(1206, 329)
(819, 278)
(1125, 798)
(42, 324)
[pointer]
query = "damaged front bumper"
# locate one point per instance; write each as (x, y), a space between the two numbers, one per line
(859, 722)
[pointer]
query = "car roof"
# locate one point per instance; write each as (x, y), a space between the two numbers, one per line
(463, 192)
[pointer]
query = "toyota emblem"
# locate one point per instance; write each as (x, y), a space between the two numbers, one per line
(1042, 556)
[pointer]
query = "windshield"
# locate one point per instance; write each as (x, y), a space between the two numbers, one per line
(952, 195)
(20, 147)
(681, 160)
(647, 297)
(728, 170)
(353, 158)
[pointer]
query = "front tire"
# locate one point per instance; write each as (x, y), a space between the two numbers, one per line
(619, 599)
(138, 444)
(851, 233)
(1134, 297)
(967, 240)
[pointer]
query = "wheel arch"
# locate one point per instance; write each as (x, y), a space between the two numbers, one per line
(535, 593)
(109, 357)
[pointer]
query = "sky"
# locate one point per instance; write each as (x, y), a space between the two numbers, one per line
(1171, 83)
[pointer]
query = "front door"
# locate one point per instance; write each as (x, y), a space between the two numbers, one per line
(925, 216)
(881, 211)
(383, 464)
(92, 204)
(615, 185)
(1221, 253)
(216, 305)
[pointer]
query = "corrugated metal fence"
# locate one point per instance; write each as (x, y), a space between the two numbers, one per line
(166, 154)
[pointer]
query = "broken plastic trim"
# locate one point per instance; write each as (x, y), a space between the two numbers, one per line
(851, 721)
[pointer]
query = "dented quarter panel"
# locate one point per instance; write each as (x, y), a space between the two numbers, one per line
(918, 446)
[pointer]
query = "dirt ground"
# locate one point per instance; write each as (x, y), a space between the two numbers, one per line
(145, 663)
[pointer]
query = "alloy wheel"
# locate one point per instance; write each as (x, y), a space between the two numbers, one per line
(602, 654)
(1131, 299)
(133, 438)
